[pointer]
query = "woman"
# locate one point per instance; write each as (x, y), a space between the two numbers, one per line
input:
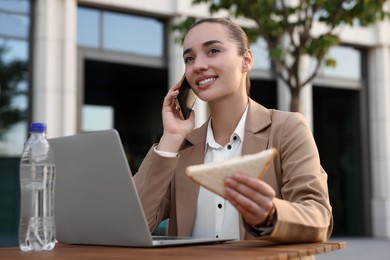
(291, 203)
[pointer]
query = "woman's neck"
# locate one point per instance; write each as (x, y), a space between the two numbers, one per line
(225, 117)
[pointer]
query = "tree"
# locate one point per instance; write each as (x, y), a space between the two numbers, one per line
(11, 74)
(286, 26)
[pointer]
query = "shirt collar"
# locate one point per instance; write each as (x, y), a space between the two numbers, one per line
(239, 132)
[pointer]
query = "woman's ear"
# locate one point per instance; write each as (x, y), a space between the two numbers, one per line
(247, 61)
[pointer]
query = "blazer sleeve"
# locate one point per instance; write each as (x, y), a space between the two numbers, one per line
(153, 181)
(303, 212)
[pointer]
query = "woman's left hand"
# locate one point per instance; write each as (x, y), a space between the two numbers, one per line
(253, 198)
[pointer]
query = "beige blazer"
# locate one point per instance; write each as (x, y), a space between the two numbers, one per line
(302, 202)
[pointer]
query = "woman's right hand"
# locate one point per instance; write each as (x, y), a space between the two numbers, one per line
(175, 129)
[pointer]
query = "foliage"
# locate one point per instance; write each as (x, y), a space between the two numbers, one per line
(11, 74)
(286, 26)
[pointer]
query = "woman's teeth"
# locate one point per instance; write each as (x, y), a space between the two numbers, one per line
(205, 81)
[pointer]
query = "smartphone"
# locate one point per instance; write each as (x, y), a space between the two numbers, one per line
(186, 99)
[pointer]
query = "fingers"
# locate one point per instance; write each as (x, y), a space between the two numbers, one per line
(252, 198)
(172, 122)
(172, 93)
(249, 185)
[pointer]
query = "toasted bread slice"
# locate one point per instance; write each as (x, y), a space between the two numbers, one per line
(212, 175)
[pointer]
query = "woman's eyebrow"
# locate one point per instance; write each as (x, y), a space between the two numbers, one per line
(205, 44)
(211, 43)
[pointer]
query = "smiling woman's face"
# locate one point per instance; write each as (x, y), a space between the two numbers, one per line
(214, 67)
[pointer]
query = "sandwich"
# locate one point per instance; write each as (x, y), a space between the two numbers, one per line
(211, 175)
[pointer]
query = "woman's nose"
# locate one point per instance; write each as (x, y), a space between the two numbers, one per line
(200, 64)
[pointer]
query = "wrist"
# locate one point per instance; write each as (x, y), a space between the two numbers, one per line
(170, 143)
(269, 220)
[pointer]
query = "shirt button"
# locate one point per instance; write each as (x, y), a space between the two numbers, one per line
(235, 138)
(219, 205)
(216, 236)
(229, 147)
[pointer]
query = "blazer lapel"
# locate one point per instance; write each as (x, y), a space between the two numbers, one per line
(256, 136)
(187, 191)
(256, 129)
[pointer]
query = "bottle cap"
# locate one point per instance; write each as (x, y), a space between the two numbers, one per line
(38, 127)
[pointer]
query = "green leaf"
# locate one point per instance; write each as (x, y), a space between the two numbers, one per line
(182, 28)
(329, 62)
(277, 53)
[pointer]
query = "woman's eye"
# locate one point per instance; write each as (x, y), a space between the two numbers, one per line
(188, 59)
(213, 51)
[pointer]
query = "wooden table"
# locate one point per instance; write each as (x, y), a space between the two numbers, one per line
(228, 250)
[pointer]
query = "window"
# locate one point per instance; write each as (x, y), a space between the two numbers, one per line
(348, 63)
(14, 27)
(260, 53)
(97, 117)
(88, 33)
(132, 34)
(122, 61)
(121, 32)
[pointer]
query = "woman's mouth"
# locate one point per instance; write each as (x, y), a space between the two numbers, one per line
(206, 81)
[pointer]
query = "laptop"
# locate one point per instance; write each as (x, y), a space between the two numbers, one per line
(96, 201)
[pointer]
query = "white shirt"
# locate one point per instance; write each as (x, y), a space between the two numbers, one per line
(215, 216)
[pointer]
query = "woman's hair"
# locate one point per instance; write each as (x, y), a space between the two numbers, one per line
(236, 33)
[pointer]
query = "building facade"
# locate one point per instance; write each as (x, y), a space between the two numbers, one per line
(98, 64)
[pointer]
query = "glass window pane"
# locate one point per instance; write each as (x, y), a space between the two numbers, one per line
(13, 25)
(21, 6)
(12, 141)
(133, 34)
(88, 27)
(95, 118)
(348, 63)
(14, 49)
(260, 53)
(13, 96)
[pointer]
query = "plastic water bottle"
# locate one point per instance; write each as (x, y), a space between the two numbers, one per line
(37, 179)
